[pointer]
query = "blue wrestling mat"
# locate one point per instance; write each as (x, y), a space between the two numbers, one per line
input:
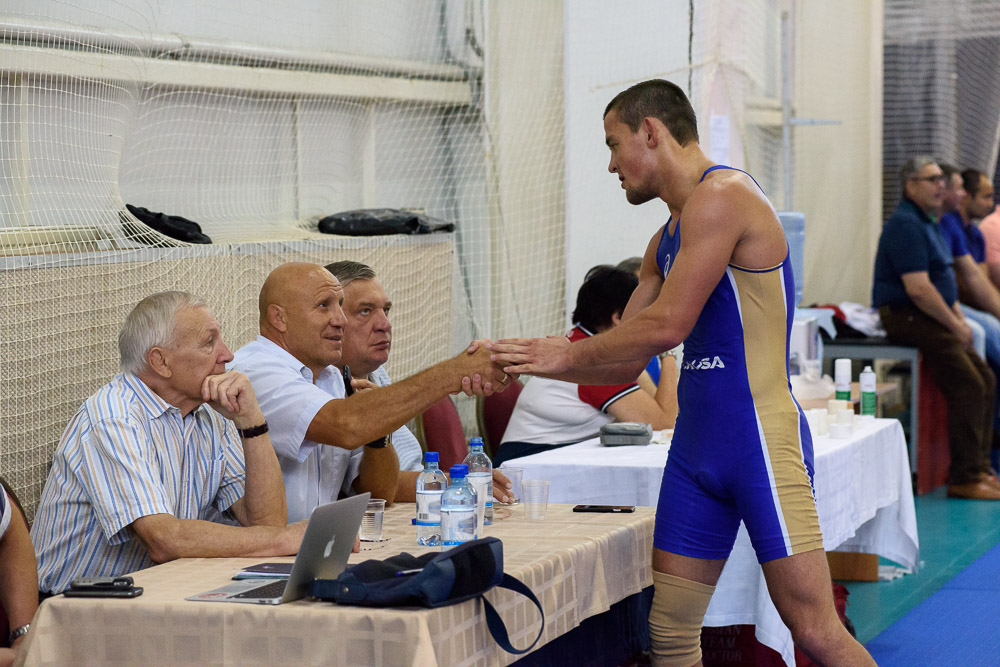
(957, 625)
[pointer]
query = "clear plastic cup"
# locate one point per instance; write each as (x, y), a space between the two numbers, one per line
(535, 496)
(371, 522)
(514, 475)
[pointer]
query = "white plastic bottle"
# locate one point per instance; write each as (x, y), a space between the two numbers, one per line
(481, 478)
(842, 379)
(458, 509)
(431, 483)
(867, 379)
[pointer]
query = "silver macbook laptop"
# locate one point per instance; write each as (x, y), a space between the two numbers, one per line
(323, 555)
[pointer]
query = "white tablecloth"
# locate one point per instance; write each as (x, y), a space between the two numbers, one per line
(864, 499)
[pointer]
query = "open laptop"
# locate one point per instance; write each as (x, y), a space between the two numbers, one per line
(323, 555)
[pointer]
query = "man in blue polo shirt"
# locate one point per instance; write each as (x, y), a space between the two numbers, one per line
(916, 293)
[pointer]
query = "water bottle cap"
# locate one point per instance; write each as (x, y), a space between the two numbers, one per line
(431, 456)
(476, 442)
(459, 470)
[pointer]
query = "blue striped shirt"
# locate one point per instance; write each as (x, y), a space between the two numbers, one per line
(127, 454)
(4, 513)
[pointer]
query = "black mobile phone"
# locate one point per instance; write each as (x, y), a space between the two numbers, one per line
(133, 592)
(347, 380)
(103, 587)
(604, 508)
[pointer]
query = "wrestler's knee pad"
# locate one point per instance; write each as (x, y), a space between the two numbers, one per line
(675, 619)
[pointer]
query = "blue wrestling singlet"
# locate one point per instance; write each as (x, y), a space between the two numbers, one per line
(741, 447)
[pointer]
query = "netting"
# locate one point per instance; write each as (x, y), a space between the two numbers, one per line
(942, 94)
(255, 119)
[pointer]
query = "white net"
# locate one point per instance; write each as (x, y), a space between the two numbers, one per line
(942, 94)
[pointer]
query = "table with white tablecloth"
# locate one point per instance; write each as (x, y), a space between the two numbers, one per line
(864, 499)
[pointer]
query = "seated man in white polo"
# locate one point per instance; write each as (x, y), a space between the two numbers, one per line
(170, 441)
(552, 413)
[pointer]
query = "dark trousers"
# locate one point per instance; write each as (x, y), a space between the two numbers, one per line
(965, 380)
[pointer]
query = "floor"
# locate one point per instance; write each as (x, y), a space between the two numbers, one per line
(953, 533)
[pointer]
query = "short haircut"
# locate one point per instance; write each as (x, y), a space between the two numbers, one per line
(605, 292)
(659, 99)
(912, 167)
(348, 271)
(971, 179)
(631, 264)
(149, 325)
(949, 171)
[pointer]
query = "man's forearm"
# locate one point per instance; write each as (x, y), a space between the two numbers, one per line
(985, 295)
(367, 415)
(264, 501)
(933, 305)
(620, 354)
(379, 473)
(167, 538)
(18, 573)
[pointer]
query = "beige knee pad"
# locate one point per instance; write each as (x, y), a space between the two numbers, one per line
(675, 619)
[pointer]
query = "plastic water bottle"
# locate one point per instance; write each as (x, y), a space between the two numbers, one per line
(458, 509)
(867, 379)
(481, 478)
(431, 483)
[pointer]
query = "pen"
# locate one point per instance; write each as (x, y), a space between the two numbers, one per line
(403, 573)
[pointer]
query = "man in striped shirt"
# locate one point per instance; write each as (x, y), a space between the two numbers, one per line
(165, 445)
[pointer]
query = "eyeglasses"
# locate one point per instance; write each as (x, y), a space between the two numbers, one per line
(930, 179)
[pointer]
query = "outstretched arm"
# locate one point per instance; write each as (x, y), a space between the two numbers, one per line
(351, 422)
(712, 228)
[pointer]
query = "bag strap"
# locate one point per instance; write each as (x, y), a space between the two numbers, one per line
(496, 625)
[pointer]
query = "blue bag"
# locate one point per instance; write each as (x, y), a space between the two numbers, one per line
(431, 580)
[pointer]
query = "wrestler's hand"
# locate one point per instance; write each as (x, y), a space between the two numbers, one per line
(547, 356)
(231, 395)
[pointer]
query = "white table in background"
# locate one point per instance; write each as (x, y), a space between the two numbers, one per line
(864, 499)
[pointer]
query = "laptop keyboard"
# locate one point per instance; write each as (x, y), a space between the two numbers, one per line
(275, 589)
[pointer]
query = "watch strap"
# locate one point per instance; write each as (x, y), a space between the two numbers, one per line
(253, 431)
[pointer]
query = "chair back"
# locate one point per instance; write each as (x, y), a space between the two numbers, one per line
(439, 429)
(493, 412)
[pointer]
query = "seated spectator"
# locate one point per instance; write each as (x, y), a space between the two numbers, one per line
(329, 445)
(978, 298)
(982, 210)
(145, 459)
(18, 575)
(367, 341)
(916, 293)
(552, 413)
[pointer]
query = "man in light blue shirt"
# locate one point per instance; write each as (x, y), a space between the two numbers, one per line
(156, 452)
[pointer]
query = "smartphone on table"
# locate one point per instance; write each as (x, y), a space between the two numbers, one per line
(103, 587)
(604, 508)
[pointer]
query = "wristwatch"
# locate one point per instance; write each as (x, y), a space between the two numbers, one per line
(17, 633)
(253, 431)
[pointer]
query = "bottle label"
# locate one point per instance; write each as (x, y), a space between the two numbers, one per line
(458, 525)
(842, 395)
(429, 508)
(481, 482)
(868, 403)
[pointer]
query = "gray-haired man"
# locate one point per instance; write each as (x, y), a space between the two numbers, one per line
(166, 444)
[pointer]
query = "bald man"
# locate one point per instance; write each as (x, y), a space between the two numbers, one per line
(330, 445)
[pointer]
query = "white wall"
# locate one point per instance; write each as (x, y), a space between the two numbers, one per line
(601, 227)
